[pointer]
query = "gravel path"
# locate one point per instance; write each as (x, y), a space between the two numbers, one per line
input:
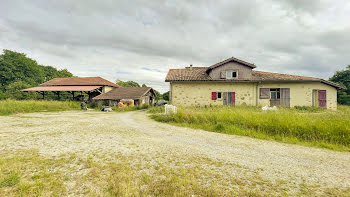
(133, 133)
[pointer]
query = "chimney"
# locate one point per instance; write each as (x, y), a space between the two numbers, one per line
(191, 67)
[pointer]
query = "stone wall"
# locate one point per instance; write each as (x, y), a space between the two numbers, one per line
(199, 93)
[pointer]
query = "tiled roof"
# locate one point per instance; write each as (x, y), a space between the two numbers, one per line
(196, 74)
(61, 88)
(199, 74)
(124, 93)
(79, 81)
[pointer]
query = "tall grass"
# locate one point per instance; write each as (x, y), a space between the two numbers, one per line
(8, 107)
(320, 128)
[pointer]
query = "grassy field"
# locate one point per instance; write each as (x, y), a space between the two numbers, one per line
(308, 126)
(8, 107)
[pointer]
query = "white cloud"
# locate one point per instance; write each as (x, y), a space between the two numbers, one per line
(119, 39)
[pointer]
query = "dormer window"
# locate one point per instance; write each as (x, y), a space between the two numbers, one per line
(231, 74)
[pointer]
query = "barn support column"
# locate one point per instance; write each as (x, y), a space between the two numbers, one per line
(58, 95)
(73, 95)
(43, 93)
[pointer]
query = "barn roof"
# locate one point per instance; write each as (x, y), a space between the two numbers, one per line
(124, 93)
(79, 81)
(61, 88)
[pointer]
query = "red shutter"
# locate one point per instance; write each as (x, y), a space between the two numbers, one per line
(322, 98)
(213, 96)
(233, 98)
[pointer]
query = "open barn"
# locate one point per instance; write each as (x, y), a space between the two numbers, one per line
(78, 87)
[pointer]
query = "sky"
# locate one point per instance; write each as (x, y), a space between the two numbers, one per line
(141, 40)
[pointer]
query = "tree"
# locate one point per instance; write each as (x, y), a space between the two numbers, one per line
(165, 96)
(144, 85)
(343, 77)
(14, 91)
(17, 67)
(127, 83)
(158, 95)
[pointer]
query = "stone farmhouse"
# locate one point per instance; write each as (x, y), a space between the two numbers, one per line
(235, 82)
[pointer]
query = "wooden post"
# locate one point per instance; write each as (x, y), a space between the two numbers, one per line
(73, 95)
(43, 93)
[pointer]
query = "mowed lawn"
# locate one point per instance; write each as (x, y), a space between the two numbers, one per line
(308, 126)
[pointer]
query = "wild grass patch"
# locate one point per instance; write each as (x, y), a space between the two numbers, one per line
(315, 127)
(8, 107)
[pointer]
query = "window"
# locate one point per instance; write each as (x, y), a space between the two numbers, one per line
(275, 93)
(219, 95)
(231, 74)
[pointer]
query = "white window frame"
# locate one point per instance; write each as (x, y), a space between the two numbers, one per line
(219, 98)
(230, 73)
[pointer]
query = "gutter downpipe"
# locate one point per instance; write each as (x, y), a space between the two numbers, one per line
(257, 93)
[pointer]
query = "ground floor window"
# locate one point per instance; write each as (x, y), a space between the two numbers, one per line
(219, 95)
(275, 93)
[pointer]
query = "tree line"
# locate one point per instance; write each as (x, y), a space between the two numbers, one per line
(17, 72)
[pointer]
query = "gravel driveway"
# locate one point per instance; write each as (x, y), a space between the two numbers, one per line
(134, 133)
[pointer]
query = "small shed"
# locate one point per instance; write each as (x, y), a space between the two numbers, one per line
(139, 96)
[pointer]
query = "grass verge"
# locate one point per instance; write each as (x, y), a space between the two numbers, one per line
(319, 128)
(8, 107)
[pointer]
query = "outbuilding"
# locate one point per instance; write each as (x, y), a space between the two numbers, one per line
(92, 86)
(131, 95)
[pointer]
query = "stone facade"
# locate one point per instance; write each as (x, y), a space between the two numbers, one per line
(247, 93)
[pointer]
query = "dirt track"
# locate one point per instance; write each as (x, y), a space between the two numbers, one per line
(133, 133)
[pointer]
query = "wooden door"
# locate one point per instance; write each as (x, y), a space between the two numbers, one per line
(322, 98)
(285, 97)
(225, 98)
(229, 98)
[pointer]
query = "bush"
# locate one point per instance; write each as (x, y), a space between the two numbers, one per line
(14, 91)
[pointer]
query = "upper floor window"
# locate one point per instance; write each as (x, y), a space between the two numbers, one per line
(231, 74)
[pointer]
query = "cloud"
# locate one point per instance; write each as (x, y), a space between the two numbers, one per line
(141, 40)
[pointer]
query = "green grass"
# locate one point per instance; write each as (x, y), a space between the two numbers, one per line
(312, 127)
(8, 107)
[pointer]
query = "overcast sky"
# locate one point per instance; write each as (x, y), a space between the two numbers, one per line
(140, 40)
